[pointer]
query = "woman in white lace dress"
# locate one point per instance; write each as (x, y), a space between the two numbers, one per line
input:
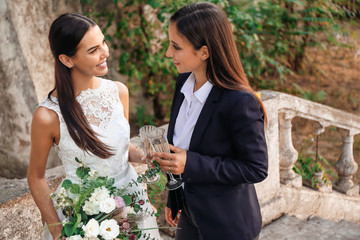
(84, 116)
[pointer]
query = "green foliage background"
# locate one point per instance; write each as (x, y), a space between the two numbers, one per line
(271, 36)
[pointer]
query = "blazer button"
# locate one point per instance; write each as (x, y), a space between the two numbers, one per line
(191, 190)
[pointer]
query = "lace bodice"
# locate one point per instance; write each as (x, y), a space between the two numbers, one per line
(104, 111)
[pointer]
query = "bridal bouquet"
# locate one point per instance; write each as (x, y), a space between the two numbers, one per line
(96, 209)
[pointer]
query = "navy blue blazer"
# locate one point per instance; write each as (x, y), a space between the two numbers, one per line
(226, 156)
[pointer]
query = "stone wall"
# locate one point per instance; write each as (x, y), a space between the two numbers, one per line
(26, 75)
(17, 99)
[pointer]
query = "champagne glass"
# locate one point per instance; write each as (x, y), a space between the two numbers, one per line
(159, 143)
(151, 175)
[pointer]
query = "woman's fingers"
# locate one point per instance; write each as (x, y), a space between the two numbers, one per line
(163, 155)
(176, 221)
(168, 217)
(172, 162)
(175, 149)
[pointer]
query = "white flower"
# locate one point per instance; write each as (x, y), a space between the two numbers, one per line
(91, 208)
(92, 228)
(62, 191)
(130, 210)
(107, 205)
(92, 173)
(76, 237)
(109, 229)
(99, 194)
(65, 221)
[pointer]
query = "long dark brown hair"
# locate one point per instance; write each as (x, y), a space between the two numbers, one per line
(205, 24)
(65, 35)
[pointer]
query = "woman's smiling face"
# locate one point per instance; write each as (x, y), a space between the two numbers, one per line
(186, 58)
(91, 55)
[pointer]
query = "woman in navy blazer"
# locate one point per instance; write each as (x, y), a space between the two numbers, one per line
(226, 150)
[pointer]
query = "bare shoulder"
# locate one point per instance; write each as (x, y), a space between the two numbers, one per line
(123, 90)
(45, 118)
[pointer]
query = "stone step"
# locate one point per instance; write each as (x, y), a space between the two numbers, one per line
(314, 228)
(289, 228)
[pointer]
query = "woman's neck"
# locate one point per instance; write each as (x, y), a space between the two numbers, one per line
(200, 80)
(84, 82)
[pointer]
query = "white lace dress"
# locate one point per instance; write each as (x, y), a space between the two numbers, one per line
(104, 111)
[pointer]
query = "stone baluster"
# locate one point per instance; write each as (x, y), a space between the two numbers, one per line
(287, 153)
(346, 167)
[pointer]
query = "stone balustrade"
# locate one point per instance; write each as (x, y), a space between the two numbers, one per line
(283, 191)
(289, 107)
(280, 193)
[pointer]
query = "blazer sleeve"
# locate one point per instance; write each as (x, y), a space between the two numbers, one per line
(248, 162)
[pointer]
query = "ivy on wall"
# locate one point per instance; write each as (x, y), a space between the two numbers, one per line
(271, 35)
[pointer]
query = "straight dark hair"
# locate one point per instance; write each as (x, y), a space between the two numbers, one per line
(205, 24)
(65, 35)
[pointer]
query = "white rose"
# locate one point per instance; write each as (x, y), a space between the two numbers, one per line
(76, 237)
(91, 208)
(92, 228)
(99, 194)
(109, 229)
(107, 205)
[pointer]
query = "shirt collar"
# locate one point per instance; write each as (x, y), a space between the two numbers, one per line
(201, 94)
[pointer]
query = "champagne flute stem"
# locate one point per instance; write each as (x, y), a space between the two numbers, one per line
(171, 176)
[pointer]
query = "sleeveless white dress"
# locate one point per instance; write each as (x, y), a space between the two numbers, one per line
(104, 111)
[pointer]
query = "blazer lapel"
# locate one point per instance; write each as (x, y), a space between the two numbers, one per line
(204, 117)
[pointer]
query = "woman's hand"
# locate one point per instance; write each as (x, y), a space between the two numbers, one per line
(136, 154)
(168, 218)
(55, 232)
(173, 162)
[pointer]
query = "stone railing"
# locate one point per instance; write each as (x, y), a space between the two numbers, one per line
(282, 180)
(280, 193)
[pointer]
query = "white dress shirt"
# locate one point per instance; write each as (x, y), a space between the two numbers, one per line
(189, 111)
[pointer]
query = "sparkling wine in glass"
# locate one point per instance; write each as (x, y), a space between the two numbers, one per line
(151, 175)
(159, 143)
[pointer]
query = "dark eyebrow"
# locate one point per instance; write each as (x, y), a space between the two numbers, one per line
(94, 46)
(175, 43)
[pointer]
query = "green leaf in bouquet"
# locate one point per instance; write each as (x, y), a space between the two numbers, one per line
(84, 216)
(136, 208)
(78, 221)
(111, 182)
(82, 172)
(66, 184)
(75, 188)
(140, 179)
(69, 229)
(127, 199)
